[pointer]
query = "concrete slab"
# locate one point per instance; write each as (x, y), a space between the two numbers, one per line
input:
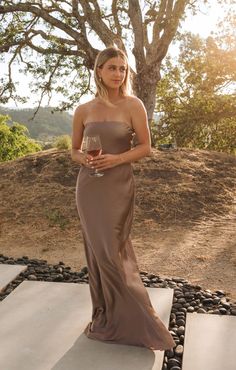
(210, 342)
(41, 328)
(9, 273)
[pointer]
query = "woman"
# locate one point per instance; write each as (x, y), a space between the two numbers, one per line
(122, 311)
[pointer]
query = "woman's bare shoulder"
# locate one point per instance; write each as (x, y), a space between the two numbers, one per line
(135, 104)
(85, 105)
(134, 100)
(82, 108)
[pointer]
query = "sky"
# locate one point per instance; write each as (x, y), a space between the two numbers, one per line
(203, 24)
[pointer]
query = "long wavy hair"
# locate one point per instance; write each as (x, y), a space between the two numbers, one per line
(102, 57)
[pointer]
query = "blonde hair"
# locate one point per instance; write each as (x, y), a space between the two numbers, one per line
(102, 57)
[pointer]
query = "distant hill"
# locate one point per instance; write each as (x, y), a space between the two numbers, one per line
(45, 125)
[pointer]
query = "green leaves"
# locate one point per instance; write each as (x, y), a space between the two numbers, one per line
(197, 97)
(14, 141)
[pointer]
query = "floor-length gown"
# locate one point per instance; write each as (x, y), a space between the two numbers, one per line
(121, 309)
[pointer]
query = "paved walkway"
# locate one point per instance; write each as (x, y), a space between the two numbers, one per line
(9, 273)
(210, 342)
(41, 328)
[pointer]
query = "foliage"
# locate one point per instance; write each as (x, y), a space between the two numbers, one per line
(55, 217)
(63, 142)
(56, 43)
(45, 126)
(197, 96)
(51, 41)
(14, 141)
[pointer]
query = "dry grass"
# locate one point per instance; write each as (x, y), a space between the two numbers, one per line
(184, 221)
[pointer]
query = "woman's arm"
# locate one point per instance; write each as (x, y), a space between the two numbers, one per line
(141, 128)
(77, 154)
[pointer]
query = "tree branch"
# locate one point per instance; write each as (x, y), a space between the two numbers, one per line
(47, 86)
(135, 15)
(59, 50)
(160, 44)
(80, 38)
(58, 40)
(94, 19)
(115, 16)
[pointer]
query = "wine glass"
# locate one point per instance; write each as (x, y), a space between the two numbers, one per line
(93, 147)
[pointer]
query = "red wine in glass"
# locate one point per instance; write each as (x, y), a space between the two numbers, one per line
(94, 148)
(94, 152)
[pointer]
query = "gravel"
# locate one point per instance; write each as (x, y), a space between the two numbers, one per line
(187, 297)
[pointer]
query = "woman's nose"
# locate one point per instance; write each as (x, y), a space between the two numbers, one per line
(117, 73)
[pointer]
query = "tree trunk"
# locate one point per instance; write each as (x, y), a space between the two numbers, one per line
(58, 32)
(145, 83)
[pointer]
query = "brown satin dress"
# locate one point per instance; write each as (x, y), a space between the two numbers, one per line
(121, 309)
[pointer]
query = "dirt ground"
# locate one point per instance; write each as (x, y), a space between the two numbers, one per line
(184, 223)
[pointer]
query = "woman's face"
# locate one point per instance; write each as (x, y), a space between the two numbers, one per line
(113, 72)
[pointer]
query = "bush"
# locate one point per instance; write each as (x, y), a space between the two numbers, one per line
(63, 142)
(14, 141)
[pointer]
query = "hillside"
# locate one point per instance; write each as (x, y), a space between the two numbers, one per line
(45, 124)
(184, 221)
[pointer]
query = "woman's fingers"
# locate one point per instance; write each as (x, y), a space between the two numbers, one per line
(103, 162)
(87, 160)
(97, 162)
(96, 159)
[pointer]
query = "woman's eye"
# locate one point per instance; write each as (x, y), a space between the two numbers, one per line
(114, 68)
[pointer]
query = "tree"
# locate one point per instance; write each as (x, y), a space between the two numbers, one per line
(14, 141)
(51, 39)
(197, 95)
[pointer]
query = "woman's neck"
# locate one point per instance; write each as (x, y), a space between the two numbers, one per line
(114, 99)
(114, 95)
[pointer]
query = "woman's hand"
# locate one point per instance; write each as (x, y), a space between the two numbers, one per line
(84, 160)
(104, 161)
